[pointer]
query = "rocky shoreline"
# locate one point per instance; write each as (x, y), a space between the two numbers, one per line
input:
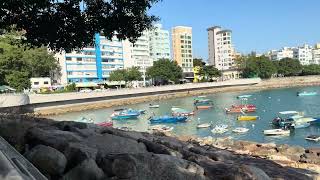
(71, 150)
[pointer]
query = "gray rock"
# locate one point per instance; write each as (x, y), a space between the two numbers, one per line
(155, 148)
(145, 166)
(53, 138)
(77, 152)
(87, 170)
(111, 144)
(47, 160)
(67, 125)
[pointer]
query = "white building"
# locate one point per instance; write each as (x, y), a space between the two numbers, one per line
(159, 43)
(316, 54)
(221, 50)
(41, 82)
(277, 55)
(303, 54)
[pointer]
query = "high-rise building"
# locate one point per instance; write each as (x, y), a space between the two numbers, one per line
(277, 55)
(182, 48)
(159, 43)
(221, 51)
(303, 54)
(91, 64)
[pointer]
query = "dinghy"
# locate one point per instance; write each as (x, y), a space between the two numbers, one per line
(154, 106)
(205, 125)
(220, 129)
(161, 128)
(240, 130)
(306, 93)
(276, 132)
(315, 138)
(244, 96)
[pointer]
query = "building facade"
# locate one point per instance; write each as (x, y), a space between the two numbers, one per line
(277, 55)
(316, 54)
(221, 50)
(91, 64)
(159, 40)
(182, 48)
(303, 54)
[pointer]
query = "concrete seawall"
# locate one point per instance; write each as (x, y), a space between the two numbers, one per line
(71, 102)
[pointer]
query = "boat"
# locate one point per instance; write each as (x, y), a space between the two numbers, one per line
(292, 119)
(240, 110)
(220, 129)
(205, 125)
(244, 96)
(126, 110)
(247, 118)
(168, 119)
(313, 138)
(154, 106)
(161, 128)
(243, 106)
(125, 114)
(85, 120)
(202, 100)
(203, 107)
(275, 132)
(240, 130)
(298, 125)
(106, 124)
(307, 93)
(176, 111)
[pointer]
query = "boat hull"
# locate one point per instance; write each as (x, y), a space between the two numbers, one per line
(168, 119)
(247, 118)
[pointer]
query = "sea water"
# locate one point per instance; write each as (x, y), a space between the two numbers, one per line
(268, 102)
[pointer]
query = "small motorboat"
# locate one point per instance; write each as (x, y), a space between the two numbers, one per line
(220, 129)
(315, 138)
(125, 114)
(125, 128)
(168, 119)
(276, 132)
(203, 107)
(247, 118)
(240, 110)
(85, 120)
(181, 112)
(161, 128)
(154, 105)
(205, 125)
(306, 93)
(244, 96)
(106, 124)
(240, 130)
(298, 125)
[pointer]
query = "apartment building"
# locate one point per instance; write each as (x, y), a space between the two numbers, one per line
(182, 48)
(222, 53)
(159, 41)
(316, 54)
(91, 64)
(277, 55)
(303, 54)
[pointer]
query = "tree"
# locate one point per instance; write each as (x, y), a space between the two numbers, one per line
(312, 69)
(117, 75)
(18, 80)
(165, 70)
(133, 74)
(209, 72)
(258, 66)
(198, 62)
(289, 67)
(72, 24)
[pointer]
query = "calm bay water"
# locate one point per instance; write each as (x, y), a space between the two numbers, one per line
(268, 102)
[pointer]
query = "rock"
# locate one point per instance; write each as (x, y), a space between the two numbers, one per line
(47, 160)
(145, 166)
(126, 134)
(292, 152)
(155, 148)
(66, 125)
(310, 158)
(53, 138)
(111, 144)
(77, 152)
(313, 151)
(85, 133)
(87, 170)
(264, 152)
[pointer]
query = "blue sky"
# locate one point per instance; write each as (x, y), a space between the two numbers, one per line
(257, 25)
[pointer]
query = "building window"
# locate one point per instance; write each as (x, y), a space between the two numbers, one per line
(45, 82)
(35, 83)
(69, 73)
(68, 58)
(79, 59)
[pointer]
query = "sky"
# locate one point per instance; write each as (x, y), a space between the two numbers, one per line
(257, 25)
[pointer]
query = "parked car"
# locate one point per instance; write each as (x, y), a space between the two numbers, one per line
(85, 90)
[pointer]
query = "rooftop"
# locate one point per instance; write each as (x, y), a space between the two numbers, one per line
(213, 28)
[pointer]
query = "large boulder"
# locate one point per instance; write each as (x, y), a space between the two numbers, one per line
(53, 138)
(48, 160)
(145, 166)
(76, 153)
(111, 144)
(87, 170)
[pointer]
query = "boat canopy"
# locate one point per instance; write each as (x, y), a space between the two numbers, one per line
(288, 112)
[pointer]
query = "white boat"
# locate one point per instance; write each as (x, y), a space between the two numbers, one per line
(313, 138)
(220, 129)
(154, 106)
(205, 125)
(161, 128)
(275, 132)
(240, 130)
